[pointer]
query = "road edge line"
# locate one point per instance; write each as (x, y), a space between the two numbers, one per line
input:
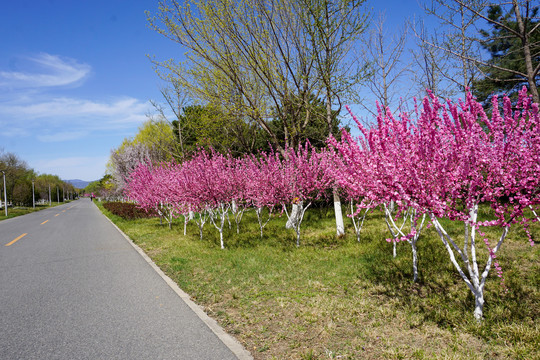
(234, 345)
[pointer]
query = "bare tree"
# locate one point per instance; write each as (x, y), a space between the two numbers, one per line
(387, 69)
(333, 27)
(463, 40)
(253, 56)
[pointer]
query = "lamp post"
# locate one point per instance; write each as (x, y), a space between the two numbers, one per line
(50, 203)
(5, 192)
(33, 196)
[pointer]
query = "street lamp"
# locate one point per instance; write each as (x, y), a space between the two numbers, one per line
(33, 196)
(5, 192)
(50, 195)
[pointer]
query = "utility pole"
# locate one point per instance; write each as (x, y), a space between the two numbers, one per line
(50, 203)
(5, 192)
(33, 196)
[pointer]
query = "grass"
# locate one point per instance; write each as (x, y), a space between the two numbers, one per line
(335, 298)
(22, 210)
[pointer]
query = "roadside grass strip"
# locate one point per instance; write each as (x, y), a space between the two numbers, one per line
(337, 298)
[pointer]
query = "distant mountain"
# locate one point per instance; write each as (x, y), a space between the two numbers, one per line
(79, 184)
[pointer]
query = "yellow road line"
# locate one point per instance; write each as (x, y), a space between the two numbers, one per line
(44, 222)
(56, 214)
(14, 241)
(63, 210)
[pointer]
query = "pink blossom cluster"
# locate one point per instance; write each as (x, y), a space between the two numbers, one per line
(211, 181)
(446, 161)
(449, 158)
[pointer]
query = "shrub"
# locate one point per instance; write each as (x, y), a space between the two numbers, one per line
(128, 211)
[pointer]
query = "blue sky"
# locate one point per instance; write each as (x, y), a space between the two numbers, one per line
(75, 79)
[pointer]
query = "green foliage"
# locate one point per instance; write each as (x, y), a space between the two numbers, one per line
(208, 127)
(19, 182)
(506, 52)
(100, 187)
(263, 79)
(316, 129)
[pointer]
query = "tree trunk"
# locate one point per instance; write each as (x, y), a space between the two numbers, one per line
(526, 53)
(340, 227)
(478, 304)
(414, 261)
(291, 222)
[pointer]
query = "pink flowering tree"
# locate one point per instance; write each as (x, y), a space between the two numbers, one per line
(238, 172)
(301, 179)
(150, 187)
(475, 159)
(261, 173)
(139, 187)
(457, 158)
(348, 166)
(213, 186)
(373, 171)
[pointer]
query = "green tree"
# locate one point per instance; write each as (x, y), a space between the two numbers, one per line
(250, 58)
(513, 42)
(508, 68)
(207, 127)
(316, 131)
(17, 174)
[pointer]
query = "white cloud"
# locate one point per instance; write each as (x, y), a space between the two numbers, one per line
(86, 115)
(45, 70)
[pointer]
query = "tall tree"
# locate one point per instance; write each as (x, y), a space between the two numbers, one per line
(383, 55)
(508, 51)
(446, 54)
(333, 26)
(518, 26)
(208, 127)
(153, 143)
(250, 56)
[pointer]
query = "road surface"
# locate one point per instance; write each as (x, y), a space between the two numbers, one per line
(72, 287)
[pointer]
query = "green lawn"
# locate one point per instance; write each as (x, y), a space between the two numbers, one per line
(340, 299)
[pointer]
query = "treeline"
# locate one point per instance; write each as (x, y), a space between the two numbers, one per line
(275, 74)
(19, 179)
(278, 73)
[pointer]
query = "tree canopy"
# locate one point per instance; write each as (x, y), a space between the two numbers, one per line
(506, 52)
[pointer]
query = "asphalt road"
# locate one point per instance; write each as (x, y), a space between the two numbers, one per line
(74, 288)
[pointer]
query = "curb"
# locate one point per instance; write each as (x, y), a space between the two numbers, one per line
(233, 344)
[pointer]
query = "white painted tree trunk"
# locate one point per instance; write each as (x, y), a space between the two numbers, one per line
(222, 210)
(398, 231)
(238, 213)
(392, 227)
(340, 227)
(358, 225)
(296, 208)
(413, 242)
(296, 218)
(475, 281)
(534, 213)
(262, 223)
(201, 220)
(187, 217)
